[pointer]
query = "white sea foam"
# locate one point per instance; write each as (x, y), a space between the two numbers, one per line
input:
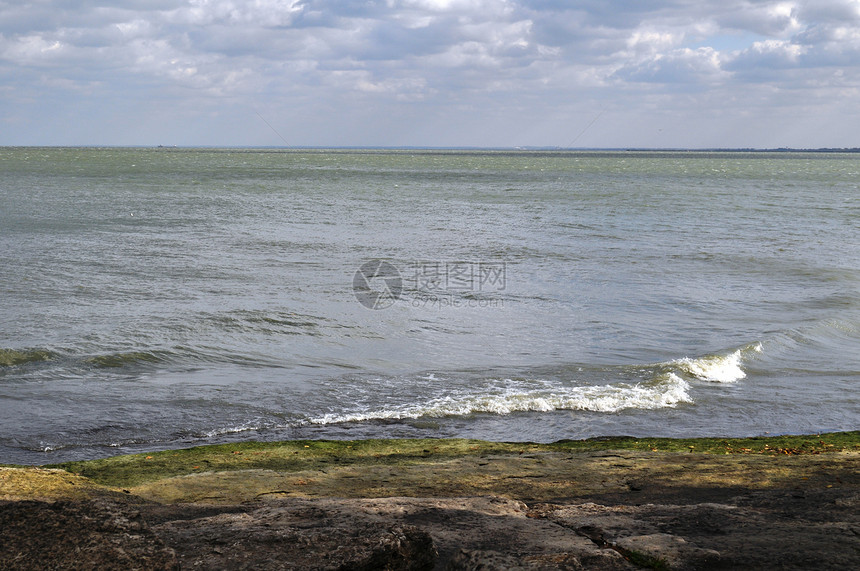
(239, 428)
(717, 368)
(667, 391)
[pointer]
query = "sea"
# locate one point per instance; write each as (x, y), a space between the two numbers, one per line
(162, 298)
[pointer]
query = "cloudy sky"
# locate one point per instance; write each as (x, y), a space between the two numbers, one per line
(593, 73)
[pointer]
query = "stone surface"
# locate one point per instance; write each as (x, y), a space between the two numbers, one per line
(494, 528)
(302, 536)
(527, 509)
(759, 530)
(79, 535)
(816, 529)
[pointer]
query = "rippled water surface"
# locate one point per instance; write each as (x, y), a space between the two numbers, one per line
(156, 298)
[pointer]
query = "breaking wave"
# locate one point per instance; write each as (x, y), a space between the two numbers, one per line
(668, 390)
(716, 368)
(663, 385)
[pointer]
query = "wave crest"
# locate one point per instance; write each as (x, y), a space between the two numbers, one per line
(129, 358)
(716, 368)
(668, 390)
(11, 357)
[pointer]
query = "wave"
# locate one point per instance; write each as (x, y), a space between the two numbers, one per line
(667, 390)
(67, 358)
(663, 385)
(81, 359)
(839, 335)
(12, 357)
(112, 360)
(264, 322)
(241, 428)
(716, 368)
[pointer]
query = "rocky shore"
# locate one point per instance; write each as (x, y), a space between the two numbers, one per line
(623, 503)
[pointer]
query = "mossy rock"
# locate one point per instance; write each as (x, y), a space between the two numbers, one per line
(447, 468)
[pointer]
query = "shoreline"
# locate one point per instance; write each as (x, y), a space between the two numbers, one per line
(620, 503)
(298, 455)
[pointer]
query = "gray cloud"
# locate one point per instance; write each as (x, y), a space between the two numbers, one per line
(436, 72)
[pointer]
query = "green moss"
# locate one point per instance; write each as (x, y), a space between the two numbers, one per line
(299, 455)
(789, 445)
(290, 456)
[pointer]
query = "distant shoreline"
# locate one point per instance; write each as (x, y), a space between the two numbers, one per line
(527, 148)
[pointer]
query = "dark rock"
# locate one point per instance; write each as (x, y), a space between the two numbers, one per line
(305, 537)
(673, 552)
(79, 535)
(767, 530)
(484, 560)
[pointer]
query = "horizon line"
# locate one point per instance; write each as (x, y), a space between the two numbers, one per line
(451, 148)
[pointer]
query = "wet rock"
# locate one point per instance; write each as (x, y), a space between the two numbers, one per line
(302, 537)
(79, 535)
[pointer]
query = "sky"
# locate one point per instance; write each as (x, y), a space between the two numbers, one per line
(438, 73)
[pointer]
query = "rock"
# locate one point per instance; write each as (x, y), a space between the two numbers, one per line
(634, 531)
(302, 537)
(813, 533)
(474, 508)
(484, 560)
(79, 535)
(671, 551)
(381, 533)
(482, 532)
(475, 560)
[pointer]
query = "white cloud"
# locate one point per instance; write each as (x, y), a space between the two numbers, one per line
(768, 56)
(652, 41)
(677, 68)
(33, 49)
(263, 13)
(538, 64)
